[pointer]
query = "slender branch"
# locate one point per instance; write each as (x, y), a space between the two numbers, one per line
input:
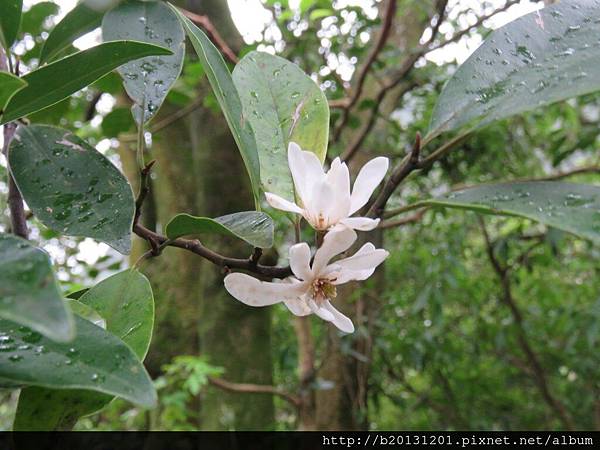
(254, 389)
(539, 375)
(404, 220)
(565, 174)
(213, 34)
(388, 18)
(90, 111)
(18, 218)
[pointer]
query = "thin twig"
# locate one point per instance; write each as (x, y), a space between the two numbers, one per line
(18, 218)
(213, 34)
(254, 389)
(388, 18)
(404, 220)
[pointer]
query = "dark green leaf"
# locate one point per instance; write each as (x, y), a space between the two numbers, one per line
(147, 80)
(34, 17)
(80, 20)
(29, 292)
(256, 228)
(126, 303)
(117, 121)
(51, 83)
(10, 20)
(228, 98)
(95, 360)
(536, 60)
(71, 187)
(9, 86)
(283, 104)
(567, 206)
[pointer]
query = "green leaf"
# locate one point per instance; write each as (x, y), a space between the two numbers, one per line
(51, 83)
(117, 121)
(126, 304)
(256, 228)
(34, 18)
(9, 86)
(147, 80)
(95, 360)
(228, 98)
(71, 187)
(538, 59)
(567, 206)
(29, 292)
(283, 104)
(10, 20)
(79, 21)
(86, 312)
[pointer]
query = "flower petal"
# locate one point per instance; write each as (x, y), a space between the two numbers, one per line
(338, 178)
(367, 180)
(321, 206)
(298, 307)
(300, 261)
(254, 292)
(360, 223)
(340, 320)
(306, 169)
(321, 312)
(278, 202)
(334, 243)
(366, 258)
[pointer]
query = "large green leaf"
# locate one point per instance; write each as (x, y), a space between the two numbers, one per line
(283, 104)
(536, 60)
(29, 292)
(51, 83)
(228, 97)
(10, 20)
(567, 206)
(71, 187)
(147, 80)
(80, 20)
(9, 86)
(256, 228)
(95, 360)
(126, 304)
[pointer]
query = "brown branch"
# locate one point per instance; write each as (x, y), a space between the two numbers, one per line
(213, 34)
(90, 111)
(404, 220)
(388, 18)
(254, 389)
(539, 375)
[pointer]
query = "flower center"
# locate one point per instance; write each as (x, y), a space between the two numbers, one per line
(322, 290)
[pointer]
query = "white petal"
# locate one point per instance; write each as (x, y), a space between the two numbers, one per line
(360, 223)
(321, 206)
(367, 180)
(278, 202)
(340, 320)
(298, 307)
(305, 168)
(338, 178)
(300, 261)
(352, 275)
(254, 292)
(334, 243)
(321, 312)
(368, 257)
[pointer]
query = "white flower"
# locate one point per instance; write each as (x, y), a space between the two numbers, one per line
(325, 198)
(312, 287)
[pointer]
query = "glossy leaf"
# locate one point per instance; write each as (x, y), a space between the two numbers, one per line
(86, 312)
(95, 360)
(567, 206)
(29, 292)
(79, 21)
(53, 82)
(283, 104)
(71, 187)
(147, 80)
(228, 97)
(126, 304)
(10, 20)
(256, 228)
(9, 86)
(536, 60)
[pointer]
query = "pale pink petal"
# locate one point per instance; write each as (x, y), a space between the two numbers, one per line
(300, 261)
(254, 292)
(321, 312)
(340, 320)
(298, 307)
(367, 180)
(352, 275)
(360, 223)
(334, 243)
(278, 202)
